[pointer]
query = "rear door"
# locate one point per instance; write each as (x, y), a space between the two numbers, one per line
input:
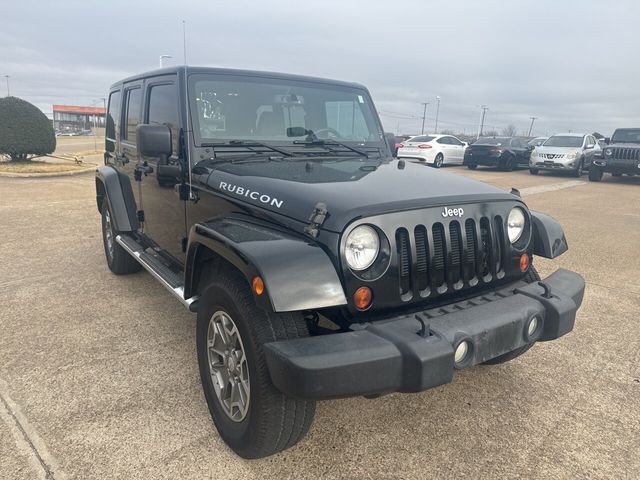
(127, 157)
(457, 149)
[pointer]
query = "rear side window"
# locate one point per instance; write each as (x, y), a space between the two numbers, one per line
(113, 120)
(163, 109)
(444, 141)
(132, 118)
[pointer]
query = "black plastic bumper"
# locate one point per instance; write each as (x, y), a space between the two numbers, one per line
(415, 352)
(629, 167)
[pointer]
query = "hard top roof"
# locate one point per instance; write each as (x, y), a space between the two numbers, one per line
(231, 71)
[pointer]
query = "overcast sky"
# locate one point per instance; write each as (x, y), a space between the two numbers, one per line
(573, 64)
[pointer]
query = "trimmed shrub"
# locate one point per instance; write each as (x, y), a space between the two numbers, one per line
(25, 131)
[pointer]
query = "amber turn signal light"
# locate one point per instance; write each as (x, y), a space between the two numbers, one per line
(258, 285)
(524, 262)
(362, 298)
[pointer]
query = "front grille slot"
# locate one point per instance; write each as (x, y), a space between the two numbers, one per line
(626, 153)
(449, 256)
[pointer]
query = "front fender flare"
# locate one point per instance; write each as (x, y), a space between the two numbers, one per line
(549, 240)
(297, 273)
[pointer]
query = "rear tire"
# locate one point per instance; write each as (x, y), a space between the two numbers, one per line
(534, 171)
(472, 167)
(118, 259)
(437, 163)
(530, 277)
(272, 421)
(509, 163)
(595, 174)
(579, 169)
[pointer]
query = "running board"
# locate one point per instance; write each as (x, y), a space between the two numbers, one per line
(167, 277)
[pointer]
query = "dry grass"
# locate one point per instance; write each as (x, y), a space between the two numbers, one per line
(41, 167)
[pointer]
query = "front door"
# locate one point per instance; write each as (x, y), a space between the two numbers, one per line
(164, 212)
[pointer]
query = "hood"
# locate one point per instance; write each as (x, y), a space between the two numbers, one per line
(350, 188)
(622, 145)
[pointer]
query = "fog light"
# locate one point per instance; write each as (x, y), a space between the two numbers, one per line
(533, 326)
(462, 351)
(362, 298)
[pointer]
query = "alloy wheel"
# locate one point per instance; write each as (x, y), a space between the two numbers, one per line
(228, 366)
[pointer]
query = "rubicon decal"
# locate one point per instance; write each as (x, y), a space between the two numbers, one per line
(452, 212)
(252, 194)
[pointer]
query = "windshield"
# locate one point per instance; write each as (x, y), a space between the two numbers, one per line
(261, 109)
(564, 141)
(421, 138)
(492, 141)
(630, 135)
(536, 142)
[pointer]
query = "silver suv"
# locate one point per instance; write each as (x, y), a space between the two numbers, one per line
(572, 152)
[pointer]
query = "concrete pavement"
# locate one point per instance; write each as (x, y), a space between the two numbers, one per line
(101, 370)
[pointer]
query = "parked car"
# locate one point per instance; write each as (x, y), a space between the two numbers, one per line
(621, 155)
(564, 152)
(505, 153)
(536, 142)
(318, 266)
(399, 139)
(436, 150)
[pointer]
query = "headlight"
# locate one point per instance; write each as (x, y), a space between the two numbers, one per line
(534, 153)
(515, 224)
(608, 152)
(361, 247)
(572, 155)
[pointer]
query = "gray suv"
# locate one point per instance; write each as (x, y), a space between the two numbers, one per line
(568, 152)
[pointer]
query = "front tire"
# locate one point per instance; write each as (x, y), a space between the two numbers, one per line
(579, 169)
(530, 277)
(437, 163)
(118, 259)
(268, 421)
(595, 174)
(472, 166)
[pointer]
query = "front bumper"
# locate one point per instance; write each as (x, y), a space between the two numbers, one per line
(561, 165)
(398, 354)
(613, 165)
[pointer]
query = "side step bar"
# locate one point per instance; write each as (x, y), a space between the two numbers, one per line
(167, 277)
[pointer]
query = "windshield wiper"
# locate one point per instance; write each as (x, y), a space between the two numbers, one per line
(322, 142)
(249, 145)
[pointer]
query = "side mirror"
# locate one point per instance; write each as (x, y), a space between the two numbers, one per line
(607, 140)
(153, 140)
(530, 147)
(391, 143)
(589, 146)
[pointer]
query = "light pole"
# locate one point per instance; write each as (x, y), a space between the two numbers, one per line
(8, 90)
(484, 109)
(437, 113)
(533, 119)
(424, 114)
(162, 57)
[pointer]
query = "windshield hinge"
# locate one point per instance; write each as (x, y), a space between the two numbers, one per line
(316, 219)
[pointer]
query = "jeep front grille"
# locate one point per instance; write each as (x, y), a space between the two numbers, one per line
(449, 256)
(626, 153)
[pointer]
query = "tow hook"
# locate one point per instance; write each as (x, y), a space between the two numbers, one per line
(424, 331)
(547, 290)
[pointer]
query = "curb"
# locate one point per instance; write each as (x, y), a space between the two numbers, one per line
(48, 174)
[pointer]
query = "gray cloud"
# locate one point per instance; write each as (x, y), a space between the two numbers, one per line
(572, 64)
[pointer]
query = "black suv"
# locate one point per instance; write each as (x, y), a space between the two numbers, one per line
(319, 266)
(621, 155)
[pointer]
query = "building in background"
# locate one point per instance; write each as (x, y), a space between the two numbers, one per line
(77, 119)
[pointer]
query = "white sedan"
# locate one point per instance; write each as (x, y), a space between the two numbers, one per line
(435, 150)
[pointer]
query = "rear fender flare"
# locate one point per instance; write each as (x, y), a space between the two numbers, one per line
(298, 274)
(549, 240)
(115, 187)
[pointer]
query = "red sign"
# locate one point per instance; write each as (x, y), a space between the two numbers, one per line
(77, 109)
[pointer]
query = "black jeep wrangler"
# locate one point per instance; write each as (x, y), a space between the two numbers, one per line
(620, 157)
(318, 265)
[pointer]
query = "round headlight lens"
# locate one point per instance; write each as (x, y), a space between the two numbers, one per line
(361, 248)
(515, 224)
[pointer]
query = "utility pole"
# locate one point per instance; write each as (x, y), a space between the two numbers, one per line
(437, 113)
(184, 41)
(484, 109)
(533, 119)
(8, 90)
(424, 115)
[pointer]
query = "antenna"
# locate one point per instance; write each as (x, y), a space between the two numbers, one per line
(184, 40)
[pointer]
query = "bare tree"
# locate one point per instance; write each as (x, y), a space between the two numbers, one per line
(509, 131)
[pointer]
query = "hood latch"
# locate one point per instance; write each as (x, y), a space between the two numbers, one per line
(316, 219)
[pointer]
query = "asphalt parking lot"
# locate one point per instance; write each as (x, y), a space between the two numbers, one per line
(98, 374)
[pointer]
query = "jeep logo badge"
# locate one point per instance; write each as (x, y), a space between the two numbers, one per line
(452, 212)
